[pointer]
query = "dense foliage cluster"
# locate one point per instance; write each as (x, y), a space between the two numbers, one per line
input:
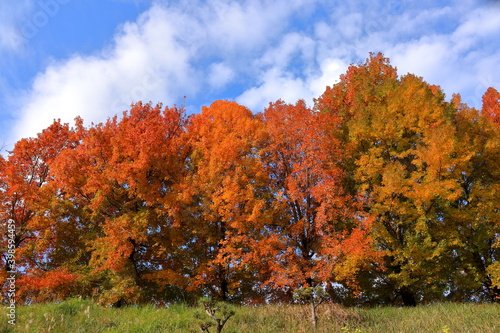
(383, 193)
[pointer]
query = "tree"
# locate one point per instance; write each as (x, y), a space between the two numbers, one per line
(400, 143)
(491, 109)
(316, 235)
(383, 191)
(121, 179)
(26, 198)
(218, 312)
(473, 217)
(491, 105)
(224, 199)
(315, 296)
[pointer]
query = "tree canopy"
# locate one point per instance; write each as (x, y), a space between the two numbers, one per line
(383, 192)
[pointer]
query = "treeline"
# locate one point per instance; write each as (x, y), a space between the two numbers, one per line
(383, 193)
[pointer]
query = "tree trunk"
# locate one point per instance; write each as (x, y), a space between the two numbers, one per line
(493, 292)
(314, 318)
(408, 297)
(224, 287)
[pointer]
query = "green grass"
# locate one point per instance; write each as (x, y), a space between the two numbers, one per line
(77, 315)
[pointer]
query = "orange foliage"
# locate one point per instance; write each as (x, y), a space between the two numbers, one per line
(491, 105)
(314, 219)
(46, 286)
(384, 189)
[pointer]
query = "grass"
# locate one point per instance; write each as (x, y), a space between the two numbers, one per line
(78, 315)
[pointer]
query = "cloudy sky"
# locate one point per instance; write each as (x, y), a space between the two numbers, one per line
(93, 58)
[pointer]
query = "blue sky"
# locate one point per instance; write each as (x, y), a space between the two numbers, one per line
(90, 58)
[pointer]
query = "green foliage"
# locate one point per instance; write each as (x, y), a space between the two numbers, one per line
(427, 172)
(314, 296)
(218, 314)
(310, 294)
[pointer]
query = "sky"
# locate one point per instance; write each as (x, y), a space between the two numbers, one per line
(60, 59)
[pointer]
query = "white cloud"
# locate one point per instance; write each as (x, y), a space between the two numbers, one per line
(448, 46)
(423, 57)
(220, 75)
(275, 85)
(350, 25)
(292, 46)
(480, 22)
(461, 61)
(12, 17)
(159, 57)
(146, 63)
(331, 69)
(278, 76)
(179, 48)
(22, 20)
(9, 39)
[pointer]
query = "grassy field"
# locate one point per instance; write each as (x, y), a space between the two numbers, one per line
(84, 316)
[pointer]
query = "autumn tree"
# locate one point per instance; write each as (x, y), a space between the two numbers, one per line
(121, 178)
(384, 191)
(315, 235)
(41, 245)
(491, 109)
(491, 105)
(472, 219)
(400, 142)
(224, 199)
